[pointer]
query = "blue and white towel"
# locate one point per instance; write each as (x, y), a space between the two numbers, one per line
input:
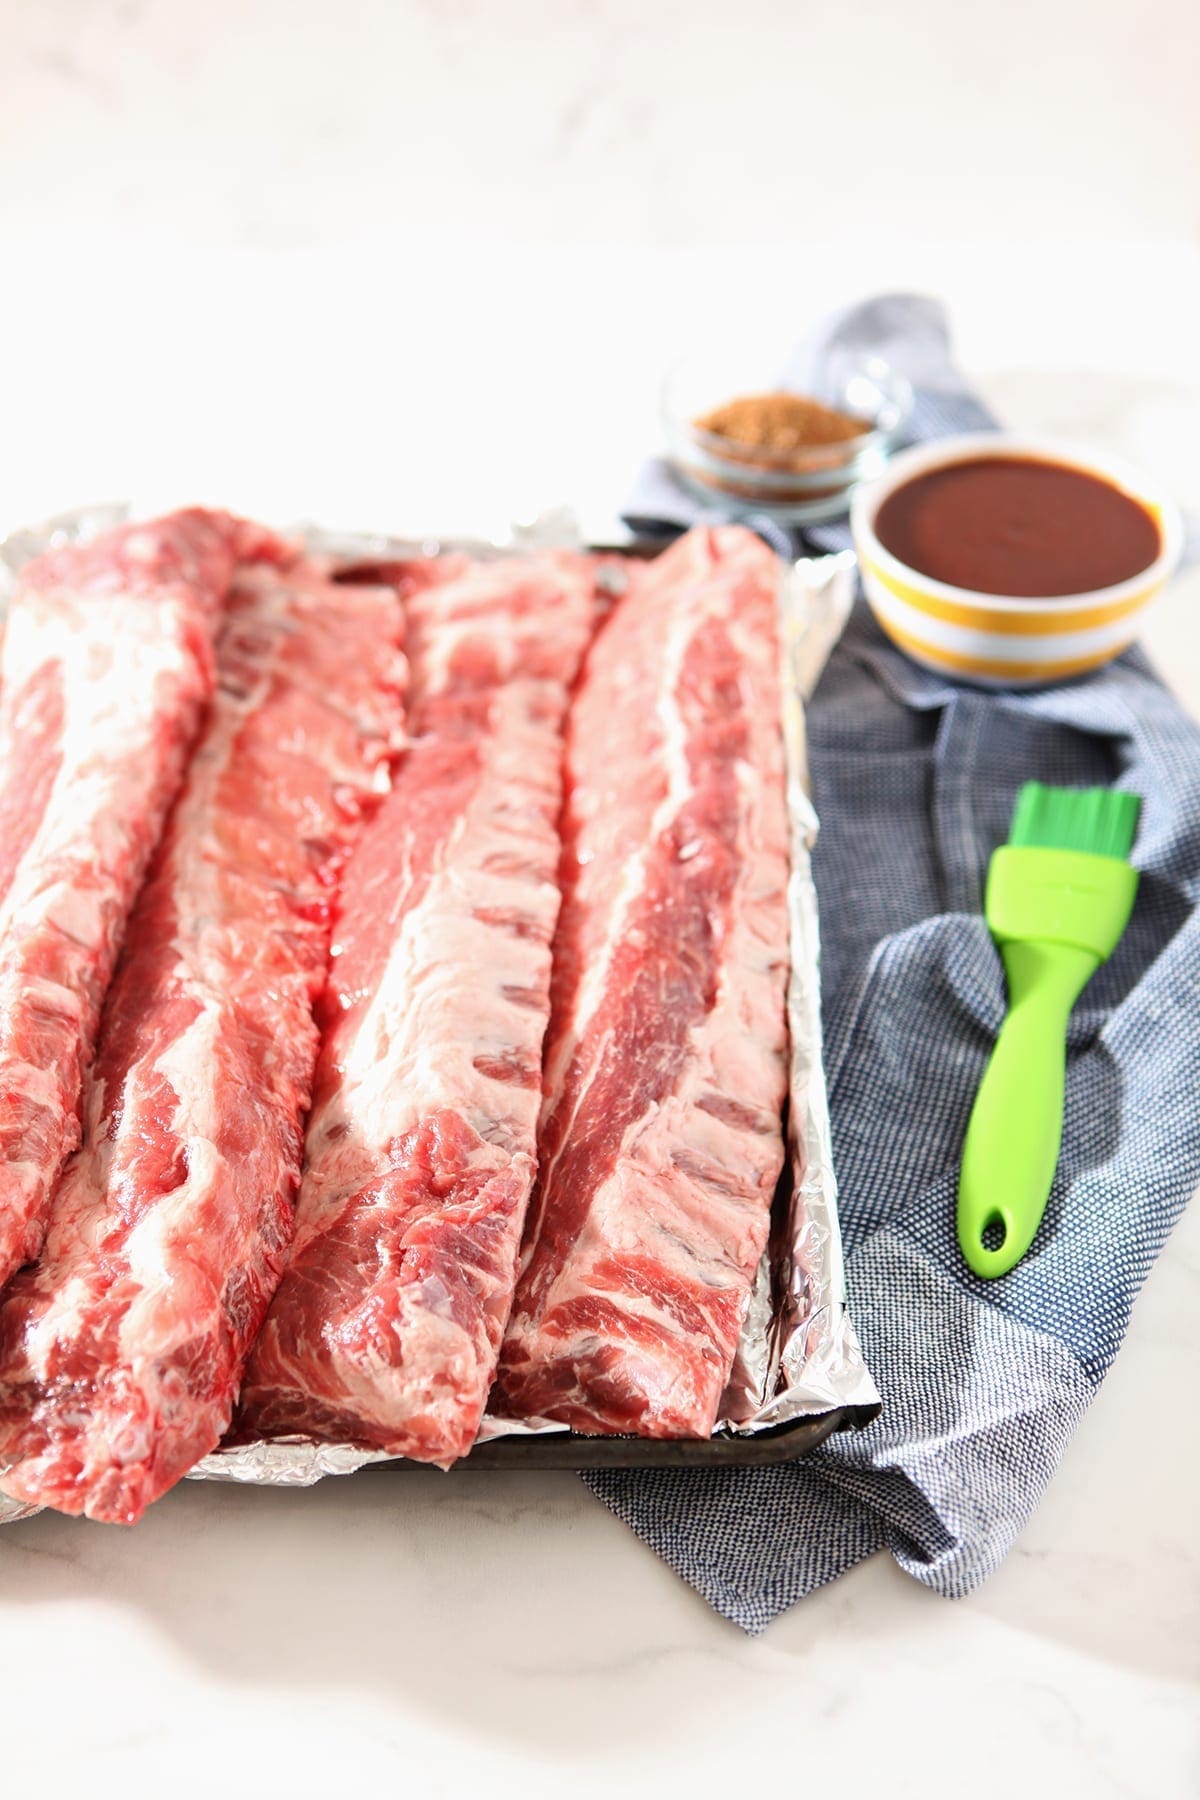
(982, 1382)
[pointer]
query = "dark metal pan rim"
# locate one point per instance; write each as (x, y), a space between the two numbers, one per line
(574, 1450)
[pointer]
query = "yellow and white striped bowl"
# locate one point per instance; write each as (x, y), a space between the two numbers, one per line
(992, 639)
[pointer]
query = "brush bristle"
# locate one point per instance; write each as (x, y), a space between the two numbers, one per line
(1100, 820)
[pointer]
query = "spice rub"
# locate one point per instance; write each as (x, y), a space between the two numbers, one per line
(781, 422)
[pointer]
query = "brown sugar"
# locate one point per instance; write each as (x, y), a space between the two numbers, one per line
(780, 423)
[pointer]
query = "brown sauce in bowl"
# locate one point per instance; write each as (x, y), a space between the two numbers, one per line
(1018, 525)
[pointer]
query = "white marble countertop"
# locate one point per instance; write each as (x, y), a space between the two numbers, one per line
(504, 1632)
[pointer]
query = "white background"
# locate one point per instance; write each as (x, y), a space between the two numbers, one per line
(649, 122)
(420, 266)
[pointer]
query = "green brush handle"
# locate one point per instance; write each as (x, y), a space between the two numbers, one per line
(1013, 1139)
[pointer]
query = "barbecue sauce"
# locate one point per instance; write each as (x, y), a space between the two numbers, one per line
(1022, 526)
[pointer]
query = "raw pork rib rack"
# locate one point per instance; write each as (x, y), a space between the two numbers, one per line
(107, 665)
(121, 1350)
(420, 1151)
(444, 1060)
(661, 1142)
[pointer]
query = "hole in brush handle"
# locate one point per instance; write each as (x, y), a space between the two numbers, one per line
(991, 1243)
(995, 1231)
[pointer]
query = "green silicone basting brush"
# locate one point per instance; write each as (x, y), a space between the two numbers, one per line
(1059, 895)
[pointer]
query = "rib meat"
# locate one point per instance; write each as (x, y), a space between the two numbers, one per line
(660, 1140)
(420, 1150)
(107, 665)
(121, 1350)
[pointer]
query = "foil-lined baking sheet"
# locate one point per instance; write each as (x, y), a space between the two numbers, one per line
(798, 1357)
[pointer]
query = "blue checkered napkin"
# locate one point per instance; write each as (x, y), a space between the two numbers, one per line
(982, 1382)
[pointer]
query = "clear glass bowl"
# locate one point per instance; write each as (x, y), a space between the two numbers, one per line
(801, 486)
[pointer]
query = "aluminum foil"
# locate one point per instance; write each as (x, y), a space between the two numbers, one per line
(798, 1355)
